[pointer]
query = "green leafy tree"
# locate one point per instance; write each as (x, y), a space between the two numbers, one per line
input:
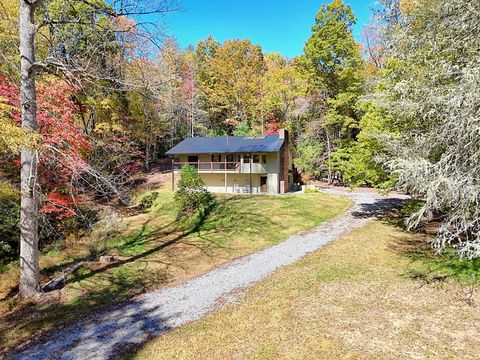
(308, 152)
(229, 77)
(333, 63)
(242, 129)
(9, 38)
(282, 85)
(362, 162)
(9, 220)
(331, 53)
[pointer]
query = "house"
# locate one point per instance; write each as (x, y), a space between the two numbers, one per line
(237, 164)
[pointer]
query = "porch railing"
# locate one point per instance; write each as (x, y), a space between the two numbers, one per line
(210, 166)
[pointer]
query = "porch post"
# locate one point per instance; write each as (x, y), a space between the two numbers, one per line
(251, 160)
(226, 187)
(225, 171)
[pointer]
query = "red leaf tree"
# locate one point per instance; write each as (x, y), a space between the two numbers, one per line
(63, 146)
(272, 125)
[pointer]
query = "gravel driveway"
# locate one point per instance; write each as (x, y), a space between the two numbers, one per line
(109, 332)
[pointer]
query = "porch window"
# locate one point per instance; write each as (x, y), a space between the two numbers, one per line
(230, 165)
(216, 158)
(246, 158)
(256, 159)
(264, 159)
(193, 159)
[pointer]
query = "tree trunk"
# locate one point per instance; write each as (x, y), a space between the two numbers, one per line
(328, 157)
(149, 131)
(29, 268)
(147, 156)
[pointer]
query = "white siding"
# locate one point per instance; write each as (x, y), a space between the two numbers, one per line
(216, 182)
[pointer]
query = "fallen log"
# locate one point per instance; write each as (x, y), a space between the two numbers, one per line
(56, 282)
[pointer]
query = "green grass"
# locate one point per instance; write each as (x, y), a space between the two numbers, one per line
(156, 250)
(357, 298)
(429, 266)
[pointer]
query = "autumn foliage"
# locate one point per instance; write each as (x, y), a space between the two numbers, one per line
(62, 147)
(272, 125)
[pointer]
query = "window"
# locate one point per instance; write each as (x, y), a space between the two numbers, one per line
(256, 159)
(229, 160)
(216, 158)
(192, 159)
(264, 159)
(246, 158)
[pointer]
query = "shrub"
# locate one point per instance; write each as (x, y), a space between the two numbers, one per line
(9, 221)
(192, 195)
(147, 199)
(52, 231)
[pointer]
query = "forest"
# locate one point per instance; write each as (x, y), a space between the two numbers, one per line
(92, 94)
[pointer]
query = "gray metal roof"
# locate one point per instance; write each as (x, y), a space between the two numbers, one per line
(227, 144)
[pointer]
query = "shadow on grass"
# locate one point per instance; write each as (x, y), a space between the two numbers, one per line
(426, 266)
(128, 323)
(430, 268)
(53, 313)
(388, 210)
(111, 283)
(146, 237)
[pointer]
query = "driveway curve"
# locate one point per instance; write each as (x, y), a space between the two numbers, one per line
(110, 332)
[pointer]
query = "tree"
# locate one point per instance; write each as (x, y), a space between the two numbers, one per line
(363, 162)
(175, 91)
(431, 87)
(29, 268)
(282, 84)
(9, 10)
(308, 153)
(60, 146)
(230, 80)
(374, 45)
(12, 137)
(331, 53)
(62, 58)
(333, 63)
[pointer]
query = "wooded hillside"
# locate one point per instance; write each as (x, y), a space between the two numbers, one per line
(92, 95)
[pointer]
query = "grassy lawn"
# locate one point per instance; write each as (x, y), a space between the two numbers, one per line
(156, 250)
(377, 293)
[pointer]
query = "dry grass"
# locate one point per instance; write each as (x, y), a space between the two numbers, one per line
(360, 298)
(157, 250)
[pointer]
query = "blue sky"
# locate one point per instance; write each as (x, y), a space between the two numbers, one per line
(277, 25)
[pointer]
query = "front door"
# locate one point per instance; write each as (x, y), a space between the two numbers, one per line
(263, 184)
